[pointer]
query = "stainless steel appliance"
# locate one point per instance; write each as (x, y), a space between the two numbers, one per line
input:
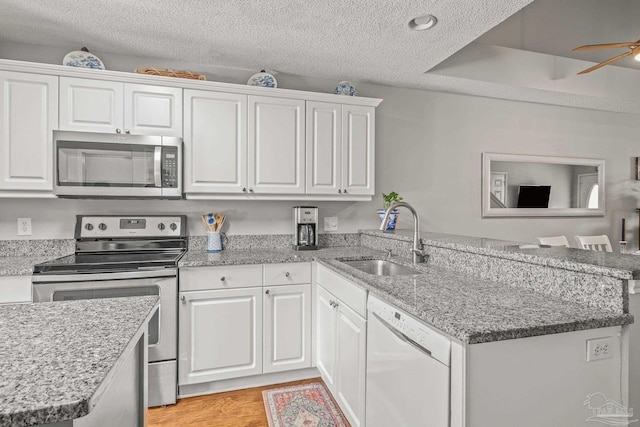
(104, 165)
(119, 256)
(408, 373)
(305, 227)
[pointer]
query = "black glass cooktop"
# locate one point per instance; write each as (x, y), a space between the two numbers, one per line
(109, 262)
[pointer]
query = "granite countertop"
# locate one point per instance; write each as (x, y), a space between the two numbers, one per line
(20, 265)
(467, 308)
(622, 266)
(54, 356)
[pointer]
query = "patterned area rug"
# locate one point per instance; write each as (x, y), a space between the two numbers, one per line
(308, 405)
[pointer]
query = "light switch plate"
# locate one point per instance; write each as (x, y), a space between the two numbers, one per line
(330, 223)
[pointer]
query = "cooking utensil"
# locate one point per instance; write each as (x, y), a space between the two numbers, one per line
(219, 217)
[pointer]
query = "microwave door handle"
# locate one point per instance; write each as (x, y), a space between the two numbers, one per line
(157, 166)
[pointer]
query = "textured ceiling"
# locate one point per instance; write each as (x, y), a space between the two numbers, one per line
(360, 40)
(555, 27)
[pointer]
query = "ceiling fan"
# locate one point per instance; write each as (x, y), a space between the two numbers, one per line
(634, 49)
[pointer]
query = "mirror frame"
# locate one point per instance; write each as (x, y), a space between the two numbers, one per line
(489, 212)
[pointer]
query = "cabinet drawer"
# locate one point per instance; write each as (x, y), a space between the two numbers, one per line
(293, 273)
(351, 294)
(224, 277)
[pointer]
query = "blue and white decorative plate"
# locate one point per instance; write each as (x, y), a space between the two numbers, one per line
(83, 59)
(262, 79)
(345, 88)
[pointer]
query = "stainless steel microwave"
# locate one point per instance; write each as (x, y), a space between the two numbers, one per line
(104, 165)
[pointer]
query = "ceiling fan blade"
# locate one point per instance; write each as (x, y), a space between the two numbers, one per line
(605, 46)
(607, 62)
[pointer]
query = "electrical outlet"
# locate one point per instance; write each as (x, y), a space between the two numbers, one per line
(599, 348)
(330, 223)
(24, 226)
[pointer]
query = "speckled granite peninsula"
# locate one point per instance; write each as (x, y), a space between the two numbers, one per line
(56, 359)
(469, 308)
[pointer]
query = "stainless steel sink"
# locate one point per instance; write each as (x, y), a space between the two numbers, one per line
(379, 267)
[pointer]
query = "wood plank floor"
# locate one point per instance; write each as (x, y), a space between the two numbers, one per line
(240, 408)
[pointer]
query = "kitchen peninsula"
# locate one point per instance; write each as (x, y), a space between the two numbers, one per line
(75, 363)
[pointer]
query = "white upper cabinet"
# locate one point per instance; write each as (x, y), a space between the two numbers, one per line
(340, 149)
(276, 145)
(28, 116)
(215, 142)
(107, 106)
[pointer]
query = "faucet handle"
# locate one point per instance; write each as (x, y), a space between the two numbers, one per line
(389, 253)
(421, 255)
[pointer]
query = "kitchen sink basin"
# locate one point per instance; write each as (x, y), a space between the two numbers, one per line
(379, 267)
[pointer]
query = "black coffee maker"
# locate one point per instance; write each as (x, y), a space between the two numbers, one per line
(305, 228)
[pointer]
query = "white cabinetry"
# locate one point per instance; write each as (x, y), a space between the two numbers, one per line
(340, 153)
(276, 145)
(341, 342)
(15, 289)
(215, 142)
(232, 326)
(110, 106)
(28, 116)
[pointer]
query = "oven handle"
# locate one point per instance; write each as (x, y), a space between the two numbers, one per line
(90, 277)
(157, 167)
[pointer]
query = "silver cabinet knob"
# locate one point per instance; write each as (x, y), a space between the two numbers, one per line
(251, 190)
(244, 189)
(340, 191)
(267, 292)
(222, 279)
(183, 298)
(127, 131)
(118, 131)
(345, 191)
(287, 274)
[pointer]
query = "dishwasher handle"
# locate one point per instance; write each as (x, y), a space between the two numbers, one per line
(403, 337)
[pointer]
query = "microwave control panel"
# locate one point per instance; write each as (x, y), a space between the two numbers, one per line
(170, 167)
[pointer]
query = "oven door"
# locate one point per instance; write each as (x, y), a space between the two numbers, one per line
(163, 325)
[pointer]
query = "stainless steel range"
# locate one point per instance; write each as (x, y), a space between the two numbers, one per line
(118, 256)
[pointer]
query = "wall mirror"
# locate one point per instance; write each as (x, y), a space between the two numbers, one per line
(522, 185)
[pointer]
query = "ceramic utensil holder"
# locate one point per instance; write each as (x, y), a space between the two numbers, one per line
(214, 241)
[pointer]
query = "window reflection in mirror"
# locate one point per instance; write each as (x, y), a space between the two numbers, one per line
(521, 185)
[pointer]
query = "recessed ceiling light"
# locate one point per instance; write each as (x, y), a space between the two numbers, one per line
(423, 22)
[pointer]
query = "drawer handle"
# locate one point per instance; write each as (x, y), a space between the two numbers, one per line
(287, 274)
(222, 279)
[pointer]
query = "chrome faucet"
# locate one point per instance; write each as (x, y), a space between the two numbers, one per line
(417, 250)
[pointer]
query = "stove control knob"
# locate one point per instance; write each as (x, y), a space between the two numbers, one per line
(102, 226)
(173, 226)
(88, 227)
(161, 226)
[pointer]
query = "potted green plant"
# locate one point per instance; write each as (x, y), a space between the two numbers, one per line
(388, 200)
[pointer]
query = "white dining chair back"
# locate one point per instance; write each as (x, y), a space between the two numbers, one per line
(595, 243)
(554, 241)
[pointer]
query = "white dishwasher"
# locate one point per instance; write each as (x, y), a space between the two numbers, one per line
(408, 380)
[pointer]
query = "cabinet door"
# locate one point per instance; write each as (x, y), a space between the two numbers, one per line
(215, 142)
(351, 344)
(358, 149)
(326, 336)
(276, 145)
(28, 116)
(287, 327)
(220, 335)
(152, 110)
(324, 148)
(91, 105)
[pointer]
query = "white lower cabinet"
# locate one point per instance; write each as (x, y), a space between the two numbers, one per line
(233, 325)
(14, 289)
(341, 353)
(220, 335)
(287, 327)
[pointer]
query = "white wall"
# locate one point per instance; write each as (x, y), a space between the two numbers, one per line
(428, 149)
